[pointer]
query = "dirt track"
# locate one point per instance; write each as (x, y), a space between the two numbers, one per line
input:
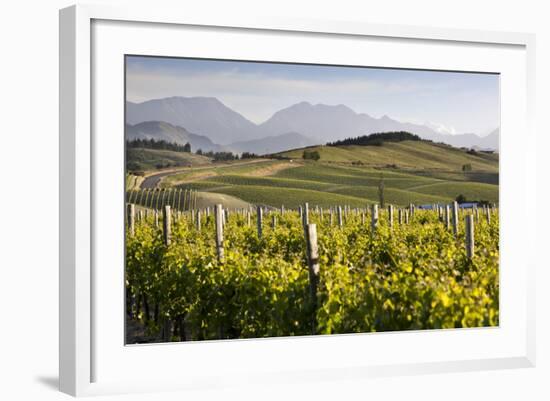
(153, 180)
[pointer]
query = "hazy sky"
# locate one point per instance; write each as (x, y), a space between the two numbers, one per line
(455, 102)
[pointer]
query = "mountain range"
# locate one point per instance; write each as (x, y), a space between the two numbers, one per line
(160, 130)
(208, 124)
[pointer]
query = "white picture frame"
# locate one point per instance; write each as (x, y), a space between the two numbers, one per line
(82, 349)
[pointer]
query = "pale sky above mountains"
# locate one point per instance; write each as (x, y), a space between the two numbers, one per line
(449, 102)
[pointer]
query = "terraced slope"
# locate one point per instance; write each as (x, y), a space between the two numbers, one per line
(326, 185)
(411, 172)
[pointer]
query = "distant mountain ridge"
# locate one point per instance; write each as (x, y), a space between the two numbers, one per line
(273, 144)
(200, 115)
(311, 124)
(160, 130)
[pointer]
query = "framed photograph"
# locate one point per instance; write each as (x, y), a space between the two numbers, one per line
(265, 200)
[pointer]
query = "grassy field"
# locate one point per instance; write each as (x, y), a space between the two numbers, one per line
(405, 155)
(138, 159)
(411, 172)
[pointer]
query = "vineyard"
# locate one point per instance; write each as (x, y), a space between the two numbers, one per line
(216, 273)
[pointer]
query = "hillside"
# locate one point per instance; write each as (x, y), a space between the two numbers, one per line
(139, 159)
(292, 183)
(272, 144)
(404, 155)
(162, 131)
(418, 172)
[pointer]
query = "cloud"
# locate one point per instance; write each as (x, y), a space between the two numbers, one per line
(441, 128)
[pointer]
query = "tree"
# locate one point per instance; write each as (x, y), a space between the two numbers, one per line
(248, 155)
(187, 147)
(381, 191)
(460, 199)
(311, 155)
(377, 139)
(466, 167)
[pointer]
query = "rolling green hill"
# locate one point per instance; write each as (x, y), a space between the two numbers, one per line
(404, 155)
(412, 172)
(139, 159)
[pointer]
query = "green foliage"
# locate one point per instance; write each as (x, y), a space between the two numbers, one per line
(407, 154)
(328, 184)
(377, 139)
(413, 276)
(311, 155)
(460, 199)
(145, 159)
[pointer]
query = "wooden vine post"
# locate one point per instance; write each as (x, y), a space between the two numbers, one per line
(374, 219)
(469, 220)
(455, 218)
(390, 216)
(340, 216)
(274, 221)
(313, 268)
(447, 217)
(488, 214)
(166, 224)
(219, 231)
(259, 219)
(400, 216)
(305, 221)
(131, 218)
(198, 220)
(162, 202)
